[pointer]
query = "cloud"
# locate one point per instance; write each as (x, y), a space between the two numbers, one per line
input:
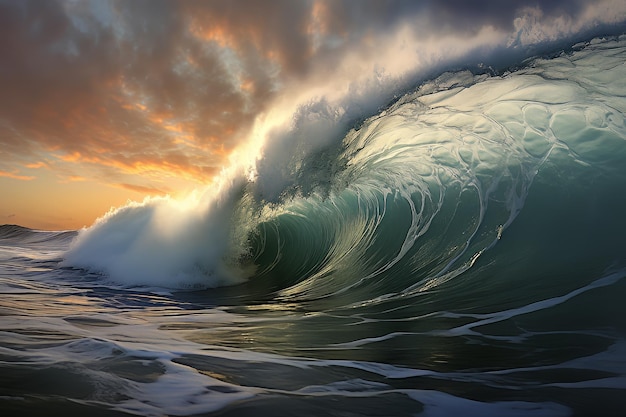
(143, 189)
(122, 94)
(16, 176)
(159, 88)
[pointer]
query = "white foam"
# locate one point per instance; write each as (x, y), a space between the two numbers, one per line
(163, 242)
(440, 404)
(182, 390)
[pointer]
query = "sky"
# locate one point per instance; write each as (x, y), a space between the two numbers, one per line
(102, 102)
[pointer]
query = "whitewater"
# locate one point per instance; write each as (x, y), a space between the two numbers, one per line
(458, 251)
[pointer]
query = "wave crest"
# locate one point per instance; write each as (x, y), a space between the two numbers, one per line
(408, 199)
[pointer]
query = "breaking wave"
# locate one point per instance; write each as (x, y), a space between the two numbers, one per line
(398, 203)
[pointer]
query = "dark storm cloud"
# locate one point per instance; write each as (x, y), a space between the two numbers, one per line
(458, 14)
(148, 85)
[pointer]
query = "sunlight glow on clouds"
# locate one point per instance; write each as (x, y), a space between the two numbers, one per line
(154, 97)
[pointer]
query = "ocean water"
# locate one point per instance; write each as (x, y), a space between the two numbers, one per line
(460, 252)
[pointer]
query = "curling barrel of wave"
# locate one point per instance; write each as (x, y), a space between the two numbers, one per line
(427, 186)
